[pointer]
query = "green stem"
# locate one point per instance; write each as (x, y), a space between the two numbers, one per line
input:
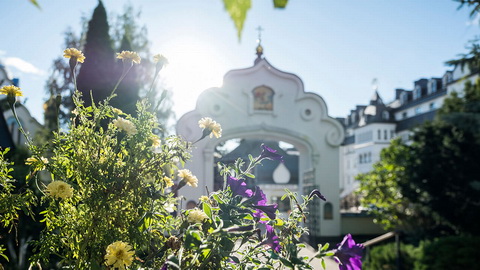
(124, 73)
(20, 127)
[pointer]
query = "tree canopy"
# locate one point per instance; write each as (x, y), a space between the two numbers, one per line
(433, 181)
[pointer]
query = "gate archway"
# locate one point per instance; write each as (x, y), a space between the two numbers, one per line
(264, 102)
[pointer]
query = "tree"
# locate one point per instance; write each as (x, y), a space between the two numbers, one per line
(380, 192)
(60, 84)
(443, 166)
(126, 34)
(97, 73)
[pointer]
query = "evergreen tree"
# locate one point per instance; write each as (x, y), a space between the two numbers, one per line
(97, 74)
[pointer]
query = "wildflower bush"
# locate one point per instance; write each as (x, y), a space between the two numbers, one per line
(110, 201)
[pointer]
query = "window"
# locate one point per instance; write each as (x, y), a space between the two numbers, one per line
(417, 93)
(369, 157)
(404, 115)
(361, 159)
(432, 106)
(385, 135)
(379, 134)
(404, 97)
(392, 134)
(385, 115)
(418, 110)
(432, 86)
(328, 211)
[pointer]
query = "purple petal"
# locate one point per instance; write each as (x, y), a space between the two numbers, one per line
(269, 209)
(317, 193)
(259, 198)
(238, 187)
(349, 254)
(269, 153)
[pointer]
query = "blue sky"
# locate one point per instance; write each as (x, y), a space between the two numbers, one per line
(335, 47)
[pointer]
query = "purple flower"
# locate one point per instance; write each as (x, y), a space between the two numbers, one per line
(258, 198)
(268, 209)
(317, 193)
(348, 254)
(238, 187)
(272, 239)
(269, 153)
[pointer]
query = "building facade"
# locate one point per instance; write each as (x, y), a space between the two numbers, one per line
(369, 128)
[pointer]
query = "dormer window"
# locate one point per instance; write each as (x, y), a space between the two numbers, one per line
(417, 93)
(432, 86)
(385, 115)
(404, 97)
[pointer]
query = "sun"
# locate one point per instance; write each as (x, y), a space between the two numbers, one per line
(194, 66)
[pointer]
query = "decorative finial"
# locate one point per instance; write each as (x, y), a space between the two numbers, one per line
(259, 41)
(375, 84)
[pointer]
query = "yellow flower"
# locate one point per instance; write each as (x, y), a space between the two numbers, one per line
(203, 199)
(119, 255)
(213, 127)
(129, 56)
(156, 142)
(168, 181)
(74, 54)
(160, 61)
(125, 125)
(188, 177)
(11, 91)
(38, 164)
(59, 189)
(196, 216)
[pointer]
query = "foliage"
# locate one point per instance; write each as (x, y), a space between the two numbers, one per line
(472, 58)
(11, 200)
(421, 183)
(238, 9)
(99, 72)
(380, 193)
(453, 252)
(443, 170)
(379, 189)
(60, 84)
(450, 252)
(384, 257)
(126, 35)
(110, 202)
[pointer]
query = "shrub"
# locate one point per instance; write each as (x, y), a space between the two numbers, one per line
(384, 257)
(452, 252)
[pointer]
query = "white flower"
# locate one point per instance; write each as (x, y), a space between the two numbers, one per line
(125, 125)
(169, 207)
(196, 216)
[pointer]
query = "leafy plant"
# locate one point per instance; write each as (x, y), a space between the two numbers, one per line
(111, 201)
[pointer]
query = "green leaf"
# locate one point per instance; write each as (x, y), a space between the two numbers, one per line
(323, 264)
(286, 262)
(325, 247)
(249, 175)
(237, 9)
(280, 3)
(207, 209)
(35, 3)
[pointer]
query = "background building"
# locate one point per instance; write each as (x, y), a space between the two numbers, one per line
(369, 128)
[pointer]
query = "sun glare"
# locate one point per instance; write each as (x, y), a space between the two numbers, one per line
(193, 67)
